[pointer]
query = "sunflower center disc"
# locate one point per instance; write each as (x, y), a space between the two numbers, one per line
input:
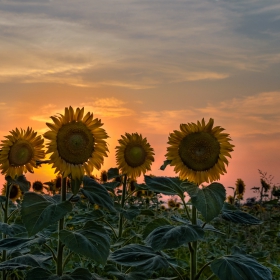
(21, 153)
(75, 143)
(14, 191)
(199, 151)
(134, 155)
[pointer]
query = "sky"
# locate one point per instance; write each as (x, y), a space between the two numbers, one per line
(147, 66)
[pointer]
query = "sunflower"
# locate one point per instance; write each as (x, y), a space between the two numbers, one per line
(37, 186)
(199, 151)
(171, 203)
(76, 142)
(15, 192)
(20, 151)
(104, 176)
(240, 187)
(134, 155)
(230, 199)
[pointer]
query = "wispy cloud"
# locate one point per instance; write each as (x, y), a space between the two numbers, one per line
(241, 116)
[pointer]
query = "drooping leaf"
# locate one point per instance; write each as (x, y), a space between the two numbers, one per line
(153, 225)
(39, 273)
(165, 163)
(143, 257)
(76, 185)
(239, 266)
(38, 211)
(113, 173)
(169, 237)
(13, 243)
(209, 200)
(12, 230)
(21, 181)
(165, 185)
(22, 262)
(97, 194)
(91, 241)
(240, 217)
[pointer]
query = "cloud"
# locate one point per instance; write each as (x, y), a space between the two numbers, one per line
(241, 117)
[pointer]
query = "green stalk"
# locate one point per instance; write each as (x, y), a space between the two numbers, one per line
(122, 206)
(60, 246)
(193, 252)
(5, 220)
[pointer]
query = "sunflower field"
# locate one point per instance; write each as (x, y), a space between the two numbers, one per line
(79, 226)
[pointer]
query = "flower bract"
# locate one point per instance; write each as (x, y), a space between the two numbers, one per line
(198, 151)
(77, 143)
(20, 151)
(134, 155)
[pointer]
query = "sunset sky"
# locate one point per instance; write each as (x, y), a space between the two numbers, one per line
(147, 66)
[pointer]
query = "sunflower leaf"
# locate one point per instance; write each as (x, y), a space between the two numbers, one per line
(13, 229)
(75, 185)
(21, 181)
(142, 257)
(239, 266)
(38, 212)
(165, 163)
(39, 273)
(2, 198)
(22, 262)
(240, 217)
(131, 212)
(209, 200)
(165, 185)
(113, 173)
(12, 243)
(91, 241)
(97, 194)
(169, 237)
(153, 225)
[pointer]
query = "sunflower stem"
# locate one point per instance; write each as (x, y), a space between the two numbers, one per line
(122, 206)
(186, 209)
(59, 263)
(193, 253)
(5, 220)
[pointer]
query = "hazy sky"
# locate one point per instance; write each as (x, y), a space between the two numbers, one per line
(147, 66)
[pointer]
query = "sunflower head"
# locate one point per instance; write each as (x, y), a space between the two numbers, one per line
(77, 143)
(37, 186)
(134, 155)
(198, 151)
(15, 192)
(171, 203)
(162, 207)
(104, 176)
(230, 199)
(178, 205)
(265, 185)
(20, 151)
(240, 187)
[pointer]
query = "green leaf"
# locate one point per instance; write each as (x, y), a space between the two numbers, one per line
(209, 200)
(199, 223)
(228, 206)
(147, 212)
(97, 194)
(21, 181)
(91, 241)
(165, 185)
(13, 243)
(76, 185)
(81, 274)
(12, 230)
(38, 211)
(239, 266)
(153, 225)
(131, 212)
(2, 198)
(111, 185)
(169, 237)
(240, 217)
(165, 163)
(22, 262)
(113, 173)
(143, 257)
(39, 273)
